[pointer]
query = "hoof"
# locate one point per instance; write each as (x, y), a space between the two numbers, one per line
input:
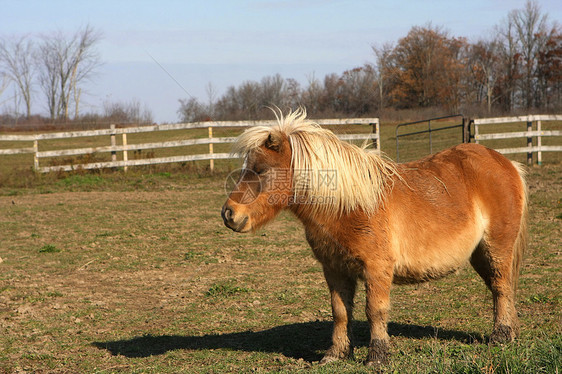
(328, 359)
(332, 355)
(502, 334)
(378, 353)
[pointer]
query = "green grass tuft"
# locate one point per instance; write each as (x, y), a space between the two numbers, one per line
(49, 248)
(225, 289)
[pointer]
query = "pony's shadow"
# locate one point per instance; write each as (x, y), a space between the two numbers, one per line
(299, 340)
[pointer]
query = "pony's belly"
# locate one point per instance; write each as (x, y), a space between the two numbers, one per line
(408, 275)
(419, 261)
(436, 248)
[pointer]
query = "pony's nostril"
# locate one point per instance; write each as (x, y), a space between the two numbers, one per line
(228, 213)
(228, 218)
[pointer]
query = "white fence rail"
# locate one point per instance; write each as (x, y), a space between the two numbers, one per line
(113, 148)
(529, 134)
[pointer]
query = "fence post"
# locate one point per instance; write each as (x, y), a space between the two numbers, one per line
(35, 157)
(375, 136)
(529, 143)
(430, 142)
(211, 161)
(377, 129)
(539, 143)
(465, 130)
(125, 154)
(397, 146)
(475, 132)
(113, 153)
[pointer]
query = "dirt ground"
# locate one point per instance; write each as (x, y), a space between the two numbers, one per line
(147, 279)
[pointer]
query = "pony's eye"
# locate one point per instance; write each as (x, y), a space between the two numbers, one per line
(261, 171)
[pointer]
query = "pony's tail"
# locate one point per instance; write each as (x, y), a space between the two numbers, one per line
(520, 245)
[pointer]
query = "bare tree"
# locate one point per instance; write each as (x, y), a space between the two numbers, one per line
(310, 96)
(65, 63)
(330, 101)
(357, 90)
(273, 91)
(127, 112)
(382, 70)
(212, 96)
(17, 59)
(249, 100)
(530, 26)
(485, 66)
(191, 110)
(292, 93)
(3, 83)
(48, 78)
(549, 70)
(510, 60)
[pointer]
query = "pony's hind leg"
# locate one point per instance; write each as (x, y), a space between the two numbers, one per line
(342, 290)
(495, 267)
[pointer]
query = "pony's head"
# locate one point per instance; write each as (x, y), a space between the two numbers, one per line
(264, 186)
(300, 165)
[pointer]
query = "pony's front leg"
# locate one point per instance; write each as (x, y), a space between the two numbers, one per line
(342, 291)
(377, 287)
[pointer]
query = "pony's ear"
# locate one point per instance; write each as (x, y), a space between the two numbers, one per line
(273, 142)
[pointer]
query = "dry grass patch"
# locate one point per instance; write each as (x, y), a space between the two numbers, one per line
(140, 275)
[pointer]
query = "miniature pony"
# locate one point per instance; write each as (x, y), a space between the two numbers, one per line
(368, 218)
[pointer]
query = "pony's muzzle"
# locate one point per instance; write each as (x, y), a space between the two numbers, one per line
(232, 221)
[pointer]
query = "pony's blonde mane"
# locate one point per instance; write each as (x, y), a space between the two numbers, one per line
(333, 176)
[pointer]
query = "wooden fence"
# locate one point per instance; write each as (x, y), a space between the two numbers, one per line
(529, 134)
(125, 148)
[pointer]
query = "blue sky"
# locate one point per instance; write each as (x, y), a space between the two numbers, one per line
(224, 43)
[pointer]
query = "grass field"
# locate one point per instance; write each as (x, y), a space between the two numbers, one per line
(135, 273)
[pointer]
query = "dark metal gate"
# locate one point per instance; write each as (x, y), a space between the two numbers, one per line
(440, 124)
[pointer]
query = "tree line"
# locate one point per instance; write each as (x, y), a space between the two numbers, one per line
(519, 67)
(57, 64)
